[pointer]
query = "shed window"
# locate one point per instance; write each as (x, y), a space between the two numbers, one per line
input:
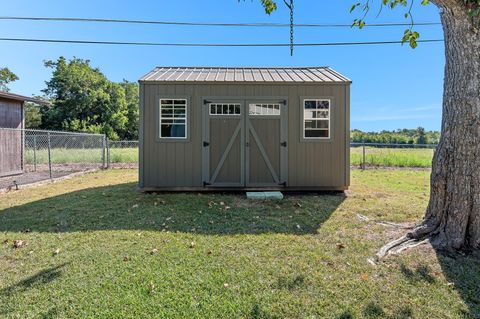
(224, 109)
(264, 109)
(173, 118)
(316, 119)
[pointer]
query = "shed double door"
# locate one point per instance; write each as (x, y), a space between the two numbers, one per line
(245, 143)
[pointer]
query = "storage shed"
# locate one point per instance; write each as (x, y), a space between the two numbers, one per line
(244, 128)
(12, 136)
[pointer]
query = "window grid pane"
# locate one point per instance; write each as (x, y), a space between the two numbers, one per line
(316, 118)
(264, 109)
(173, 118)
(225, 109)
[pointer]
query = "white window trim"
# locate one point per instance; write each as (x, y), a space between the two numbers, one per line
(316, 119)
(223, 103)
(269, 115)
(160, 118)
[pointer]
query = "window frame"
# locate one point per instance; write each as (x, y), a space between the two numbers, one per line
(265, 115)
(304, 99)
(158, 119)
(209, 105)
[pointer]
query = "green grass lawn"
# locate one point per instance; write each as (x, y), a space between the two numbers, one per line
(97, 248)
(388, 157)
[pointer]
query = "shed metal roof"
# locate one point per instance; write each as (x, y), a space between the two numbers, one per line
(224, 74)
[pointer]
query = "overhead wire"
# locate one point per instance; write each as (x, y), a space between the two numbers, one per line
(166, 44)
(212, 24)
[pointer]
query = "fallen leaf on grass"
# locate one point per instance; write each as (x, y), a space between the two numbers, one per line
(192, 244)
(153, 251)
(5, 241)
(26, 230)
(211, 204)
(298, 205)
(364, 277)
(222, 203)
(209, 252)
(19, 243)
(135, 206)
(152, 288)
(126, 258)
(340, 246)
(56, 252)
(225, 285)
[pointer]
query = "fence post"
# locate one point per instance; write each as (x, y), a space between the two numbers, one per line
(108, 153)
(363, 157)
(35, 153)
(49, 155)
(103, 150)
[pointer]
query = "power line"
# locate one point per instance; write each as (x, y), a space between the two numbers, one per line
(213, 24)
(211, 44)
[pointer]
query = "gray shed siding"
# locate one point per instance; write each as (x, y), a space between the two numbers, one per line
(319, 164)
(311, 164)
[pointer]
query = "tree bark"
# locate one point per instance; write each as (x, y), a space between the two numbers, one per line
(452, 219)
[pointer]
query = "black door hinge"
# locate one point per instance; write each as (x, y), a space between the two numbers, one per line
(206, 102)
(206, 184)
(284, 184)
(205, 144)
(284, 144)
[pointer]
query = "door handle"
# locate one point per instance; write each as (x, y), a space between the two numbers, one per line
(284, 144)
(247, 144)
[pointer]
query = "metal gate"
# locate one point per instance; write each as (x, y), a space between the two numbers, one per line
(244, 143)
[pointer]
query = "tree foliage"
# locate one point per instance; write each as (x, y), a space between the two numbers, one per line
(85, 100)
(6, 77)
(400, 136)
(33, 116)
(410, 36)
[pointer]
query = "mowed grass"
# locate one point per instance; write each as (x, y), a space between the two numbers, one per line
(392, 157)
(97, 248)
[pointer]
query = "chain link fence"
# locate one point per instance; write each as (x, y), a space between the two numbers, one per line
(365, 155)
(122, 154)
(28, 156)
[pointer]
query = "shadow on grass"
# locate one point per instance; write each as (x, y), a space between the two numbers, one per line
(463, 272)
(121, 207)
(40, 278)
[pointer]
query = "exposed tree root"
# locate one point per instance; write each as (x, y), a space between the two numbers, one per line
(399, 245)
(384, 223)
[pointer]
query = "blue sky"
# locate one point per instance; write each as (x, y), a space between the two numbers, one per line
(393, 86)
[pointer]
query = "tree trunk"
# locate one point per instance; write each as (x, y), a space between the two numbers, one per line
(452, 219)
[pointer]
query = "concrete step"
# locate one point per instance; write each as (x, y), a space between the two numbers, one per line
(265, 195)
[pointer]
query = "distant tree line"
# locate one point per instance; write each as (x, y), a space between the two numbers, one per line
(400, 136)
(84, 100)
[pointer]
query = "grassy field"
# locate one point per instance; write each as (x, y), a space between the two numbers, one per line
(96, 248)
(392, 157)
(387, 157)
(65, 156)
